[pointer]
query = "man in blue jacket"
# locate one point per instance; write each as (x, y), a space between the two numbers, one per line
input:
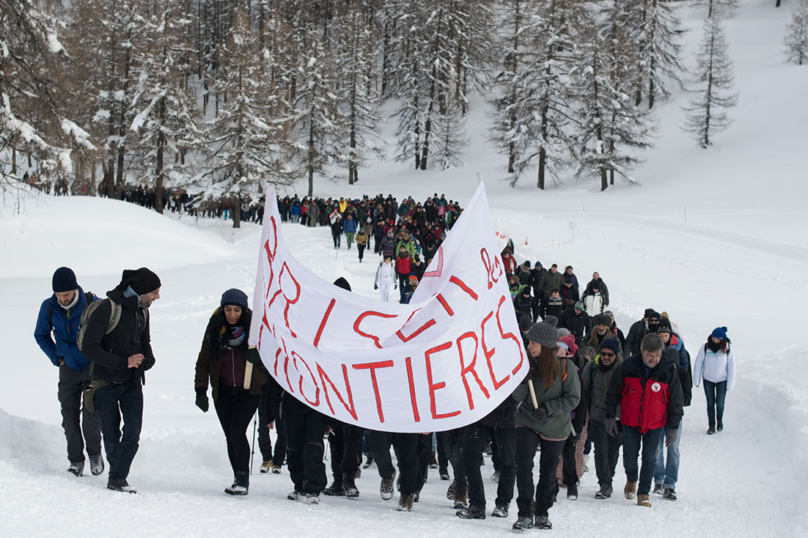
(59, 318)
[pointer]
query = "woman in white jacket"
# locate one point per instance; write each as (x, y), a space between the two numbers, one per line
(715, 364)
(385, 279)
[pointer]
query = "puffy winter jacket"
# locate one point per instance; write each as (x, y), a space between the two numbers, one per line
(715, 366)
(64, 324)
(647, 401)
(559, 400)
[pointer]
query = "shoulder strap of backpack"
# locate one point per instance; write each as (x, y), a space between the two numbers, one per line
(114, 316)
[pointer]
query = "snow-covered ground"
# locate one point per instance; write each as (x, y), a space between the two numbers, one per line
(713, 237)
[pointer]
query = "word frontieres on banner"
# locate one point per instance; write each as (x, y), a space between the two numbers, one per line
(443, 361)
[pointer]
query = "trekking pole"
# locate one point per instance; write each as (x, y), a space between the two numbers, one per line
(255, 428)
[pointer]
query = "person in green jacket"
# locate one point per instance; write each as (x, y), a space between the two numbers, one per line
(543, 418)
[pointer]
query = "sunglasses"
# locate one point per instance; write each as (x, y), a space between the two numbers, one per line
(606, 354)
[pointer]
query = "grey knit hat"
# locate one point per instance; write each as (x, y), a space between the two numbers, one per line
(543, 333)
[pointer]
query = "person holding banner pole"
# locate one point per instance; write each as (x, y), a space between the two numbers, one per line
(543, 418)
(226, 362)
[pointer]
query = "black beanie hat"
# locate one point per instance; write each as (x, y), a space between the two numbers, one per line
(234, 297)
(142, 280)
(64, 279)
(649, 312)
(611, 344)
(342, 283)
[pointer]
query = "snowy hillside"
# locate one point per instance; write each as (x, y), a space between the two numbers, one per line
(713, 237)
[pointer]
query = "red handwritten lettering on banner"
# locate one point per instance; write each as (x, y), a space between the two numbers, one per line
(323, 322)
(511, 336)
(316, 402)
(324, 377)
(493, 270)
(422, 328)
(490, 353)
(470, 368)
(415, 415)
(434, 387)
(362, 317)
(372, 366)
(462, 285)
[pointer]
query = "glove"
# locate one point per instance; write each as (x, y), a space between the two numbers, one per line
(539, 413)
(611, 426)
(252, 356)
(670, 436)
(375, 286)
(202, 401)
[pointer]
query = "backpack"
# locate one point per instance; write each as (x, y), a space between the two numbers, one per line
(114, 318)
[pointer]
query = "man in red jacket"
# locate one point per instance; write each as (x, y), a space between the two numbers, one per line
(650, 396)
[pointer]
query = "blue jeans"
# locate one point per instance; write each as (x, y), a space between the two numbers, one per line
(667, 474)
(716, 394)
(632, 438)
(113, 402)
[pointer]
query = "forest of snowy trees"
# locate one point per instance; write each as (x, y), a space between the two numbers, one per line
(226, 94)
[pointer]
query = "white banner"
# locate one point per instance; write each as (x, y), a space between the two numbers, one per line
(443, 361)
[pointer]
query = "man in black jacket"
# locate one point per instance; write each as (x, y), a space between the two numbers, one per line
(577, 322)
(119, 357)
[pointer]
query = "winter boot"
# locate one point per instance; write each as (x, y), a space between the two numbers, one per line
(669, 494)
(642, 500)
(572, 492)
(240, 486)
(523, 523)
(349, 486)
(266, 466)
(311, 498)
(295, 496)
(334, 490)
(433, 461)
(630, 490)
(472, 512)
(368, 462)
(720, 425)
(405, 503)
(543, 523)
(460, 500)
(444, 473)
(711, 429)
(500, 511)
(76, 468)
(605, 492)
(658, 489)
(276, 469)
(96, 465)
(120, 484)
(386, 488)
(450, 493)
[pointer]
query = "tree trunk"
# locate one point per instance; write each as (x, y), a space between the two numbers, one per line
(236, 211)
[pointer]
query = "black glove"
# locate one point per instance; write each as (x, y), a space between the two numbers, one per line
(670, 436)
(252, 356)
(539, 413)
(202, 401)
(611, 426)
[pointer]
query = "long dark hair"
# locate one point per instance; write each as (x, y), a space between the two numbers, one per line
(546, 366)
(723, 347)
(214, 334)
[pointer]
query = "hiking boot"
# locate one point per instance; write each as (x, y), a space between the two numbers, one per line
(658, 489)
(386, 488)
(642, 500)
(96, 464)
(472, 512)
(711, 430)
(349, 487)
(295, 496)
(276, 469)
(368, 462)
(266, 466)
(669, 494)
(405, 503)
(630, 490)
(500, 511)
(523, 523)
(240, 486)
(572, 492)
(720, 425)
(444, 473)
(605, 492)
(76, 468)
(334, 490)
(543, 523)
(311, 498)
(450, 493)
(460, 500)
(120, 484)
(433, 462)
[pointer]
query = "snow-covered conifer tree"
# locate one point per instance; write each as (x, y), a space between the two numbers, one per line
(655, 29)
(711, 91)
(797, 38)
